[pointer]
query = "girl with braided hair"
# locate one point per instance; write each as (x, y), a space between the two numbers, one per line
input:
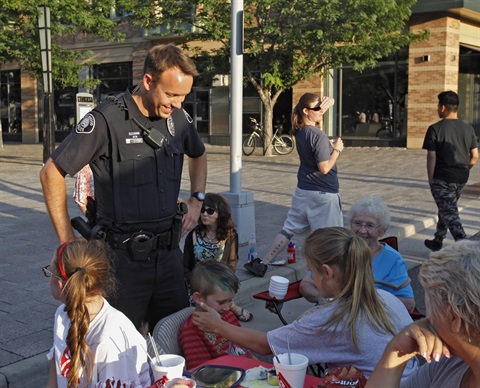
(94, 344)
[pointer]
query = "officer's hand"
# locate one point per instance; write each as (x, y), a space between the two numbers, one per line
(190, 219)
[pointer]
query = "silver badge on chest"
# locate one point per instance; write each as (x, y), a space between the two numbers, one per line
(170, 126)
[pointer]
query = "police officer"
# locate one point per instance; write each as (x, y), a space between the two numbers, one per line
(135, 145)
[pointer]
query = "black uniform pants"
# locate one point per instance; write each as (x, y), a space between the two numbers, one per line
(152, 289)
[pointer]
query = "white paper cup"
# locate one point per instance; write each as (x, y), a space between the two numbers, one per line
(171, 366)
(291, 375)
(277, 295)
(278, 286)
(278, 290)
(279, 280)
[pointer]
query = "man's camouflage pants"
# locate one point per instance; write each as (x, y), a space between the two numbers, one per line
(446, 196)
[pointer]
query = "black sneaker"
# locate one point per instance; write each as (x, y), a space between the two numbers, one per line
(256, 267)
(433, 245)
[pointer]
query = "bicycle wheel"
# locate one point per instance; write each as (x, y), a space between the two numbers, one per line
(383, 133)
(249, 144)
(283, 144)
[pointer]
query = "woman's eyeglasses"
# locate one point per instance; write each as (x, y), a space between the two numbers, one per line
(316, 109)
(48, 273)
(357, 225)
(209, 210)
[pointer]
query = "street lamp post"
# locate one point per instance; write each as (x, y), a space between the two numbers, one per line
(241, 202)
(46, 53)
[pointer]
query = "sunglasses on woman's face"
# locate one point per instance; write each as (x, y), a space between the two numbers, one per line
(316, 109)
(209, 210)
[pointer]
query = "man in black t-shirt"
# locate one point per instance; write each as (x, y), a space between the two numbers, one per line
(452, 152)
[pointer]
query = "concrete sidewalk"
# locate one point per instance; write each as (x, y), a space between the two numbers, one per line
(27, 239)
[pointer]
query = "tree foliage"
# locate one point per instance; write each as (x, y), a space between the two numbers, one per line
(19, 40)
(286, 41)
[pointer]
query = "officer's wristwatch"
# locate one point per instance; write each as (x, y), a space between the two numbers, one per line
(198, 195)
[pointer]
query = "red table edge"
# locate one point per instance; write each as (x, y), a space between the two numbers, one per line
(249, 363)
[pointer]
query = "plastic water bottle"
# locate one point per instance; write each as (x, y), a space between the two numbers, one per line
(291, 254)
(252, 248)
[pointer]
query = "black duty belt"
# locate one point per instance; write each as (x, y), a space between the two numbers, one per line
(156, 241)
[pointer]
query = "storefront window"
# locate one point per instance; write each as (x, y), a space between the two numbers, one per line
(115, 77)
(10, 104)
(469, 87)
(374, 100)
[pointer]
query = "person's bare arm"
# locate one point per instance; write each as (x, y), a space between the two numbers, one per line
(473, 157)
(55, 196)
(325, 166)
(197, 168)
(309, 290)
(209, 321)
(52, 375)
(431, 160)
(408, 302)
(418, 338)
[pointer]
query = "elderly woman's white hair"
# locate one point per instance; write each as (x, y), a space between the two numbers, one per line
(372, 206)
(451, 278)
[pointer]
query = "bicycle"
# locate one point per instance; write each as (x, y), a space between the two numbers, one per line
(282, 144)
(386, 131)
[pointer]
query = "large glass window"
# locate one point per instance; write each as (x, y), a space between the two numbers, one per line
(115, 78)
(10, 103)
(373, 102)
(469, 87)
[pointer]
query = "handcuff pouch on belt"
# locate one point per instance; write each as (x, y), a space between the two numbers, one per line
(140, 244)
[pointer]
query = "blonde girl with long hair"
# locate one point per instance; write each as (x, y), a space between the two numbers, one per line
(94, 345)
(352, 327)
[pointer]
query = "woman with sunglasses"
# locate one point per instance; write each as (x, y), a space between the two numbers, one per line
(214, 237)
(93, 344)
(316, 202)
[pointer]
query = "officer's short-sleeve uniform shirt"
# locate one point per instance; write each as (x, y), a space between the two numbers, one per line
(92, 142)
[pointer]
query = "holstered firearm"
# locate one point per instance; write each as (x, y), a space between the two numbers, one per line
(86, 230)
(91, 212)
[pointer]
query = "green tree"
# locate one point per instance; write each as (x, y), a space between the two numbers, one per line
(285, 41)
(19, 40)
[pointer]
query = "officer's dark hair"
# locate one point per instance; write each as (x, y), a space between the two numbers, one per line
(449, 100)
(163, 57)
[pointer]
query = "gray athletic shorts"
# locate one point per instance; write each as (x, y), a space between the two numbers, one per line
(312, 210)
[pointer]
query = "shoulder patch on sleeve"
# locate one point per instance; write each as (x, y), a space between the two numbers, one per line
(187, 116)
(86, 125)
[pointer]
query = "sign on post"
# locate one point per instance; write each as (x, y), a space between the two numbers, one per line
(83, 105)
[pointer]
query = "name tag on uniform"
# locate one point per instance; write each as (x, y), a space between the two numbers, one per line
(136, 140)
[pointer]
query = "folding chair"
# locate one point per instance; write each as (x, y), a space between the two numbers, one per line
(391, 240)
(166, 331)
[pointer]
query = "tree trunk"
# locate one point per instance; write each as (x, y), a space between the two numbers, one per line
(268, 128)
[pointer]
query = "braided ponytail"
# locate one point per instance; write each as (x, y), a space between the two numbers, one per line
(85, 267)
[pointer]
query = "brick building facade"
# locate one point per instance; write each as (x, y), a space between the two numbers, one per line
(432, 66)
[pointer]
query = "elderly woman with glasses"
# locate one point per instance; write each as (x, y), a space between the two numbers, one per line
(214, 237)
(449, 339)
(369, 218)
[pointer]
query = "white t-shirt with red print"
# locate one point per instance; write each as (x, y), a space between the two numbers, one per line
(118, 350)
